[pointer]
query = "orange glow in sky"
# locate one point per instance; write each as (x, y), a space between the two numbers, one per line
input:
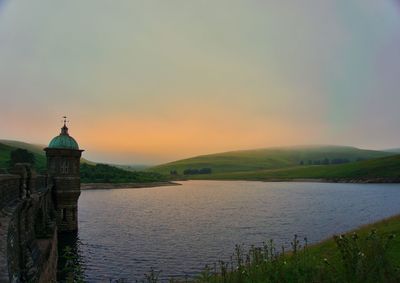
(155, 81)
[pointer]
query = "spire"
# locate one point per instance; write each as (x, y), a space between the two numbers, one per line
(64, 129)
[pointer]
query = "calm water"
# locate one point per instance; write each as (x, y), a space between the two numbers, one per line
(125, 232)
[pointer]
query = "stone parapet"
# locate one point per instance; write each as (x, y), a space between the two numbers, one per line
(28, 232)
(9, 189)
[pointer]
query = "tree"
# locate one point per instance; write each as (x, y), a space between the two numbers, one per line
(21, 156)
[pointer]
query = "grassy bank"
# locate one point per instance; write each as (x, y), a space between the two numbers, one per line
(368, 254)
(386, 169)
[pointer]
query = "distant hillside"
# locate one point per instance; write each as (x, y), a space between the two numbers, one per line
(386, 169)
(34, 148)
(103, 173)
(90, 171)
(269, 158)
(131, 167)
(6, 148)
(393, 150)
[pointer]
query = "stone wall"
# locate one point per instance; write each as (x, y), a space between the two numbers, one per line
(28, 232)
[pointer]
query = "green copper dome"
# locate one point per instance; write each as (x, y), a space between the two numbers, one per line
(64, 140)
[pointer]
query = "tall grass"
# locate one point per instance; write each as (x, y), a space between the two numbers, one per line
(360, 259)
(353, 259)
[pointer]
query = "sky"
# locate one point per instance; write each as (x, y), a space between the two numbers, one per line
(154, 81)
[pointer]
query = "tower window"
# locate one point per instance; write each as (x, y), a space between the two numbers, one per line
(64, 167)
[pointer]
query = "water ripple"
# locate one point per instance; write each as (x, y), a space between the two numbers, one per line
(125, 232)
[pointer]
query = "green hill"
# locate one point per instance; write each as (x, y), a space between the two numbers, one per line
(269, 158)
(7, 146)
(386, 169)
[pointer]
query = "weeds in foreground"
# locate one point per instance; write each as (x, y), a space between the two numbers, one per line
(354, 259)
(72, 269)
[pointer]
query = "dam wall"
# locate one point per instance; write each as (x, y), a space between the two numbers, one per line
(28, 230)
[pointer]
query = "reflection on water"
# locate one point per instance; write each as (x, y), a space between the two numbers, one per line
(125, 232)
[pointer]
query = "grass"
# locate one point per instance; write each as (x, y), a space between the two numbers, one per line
(267, 159)
(381, 169)
(362, 256)
(384, 228)
(6, 148)
(368, 254)
(264, 164)
(102, 173)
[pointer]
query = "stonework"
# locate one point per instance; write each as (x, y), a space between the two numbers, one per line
(28, 232)
(63, 168)
(34, 208)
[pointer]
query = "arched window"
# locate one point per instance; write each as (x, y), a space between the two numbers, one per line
(64, 167)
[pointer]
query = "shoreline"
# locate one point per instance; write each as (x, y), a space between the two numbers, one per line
(311, 180)
(362, 228)
(110, 186)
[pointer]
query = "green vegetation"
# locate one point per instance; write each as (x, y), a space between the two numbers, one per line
(194, 171)
(393, 150)
(268, 159)
(90, 172)
(71, 267)
(21, 156)
(369, 254)
(102, 173)
(6, 147)
(380, 169)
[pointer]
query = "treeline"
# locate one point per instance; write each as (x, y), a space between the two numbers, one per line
(193, 171)
(102, 173)
(328, 161)
(99, 173)
(20, 155)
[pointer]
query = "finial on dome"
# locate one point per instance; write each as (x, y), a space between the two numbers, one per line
(64, 129)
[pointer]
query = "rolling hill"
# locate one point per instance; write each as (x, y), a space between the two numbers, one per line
(385, 169)
(7, 146)
(269, 158)
(393, 150)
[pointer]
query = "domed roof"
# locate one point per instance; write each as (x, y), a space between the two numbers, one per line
(64, 140)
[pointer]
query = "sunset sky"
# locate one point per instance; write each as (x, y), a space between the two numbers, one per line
(154, 81)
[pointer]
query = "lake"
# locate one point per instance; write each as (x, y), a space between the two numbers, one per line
(179, 229)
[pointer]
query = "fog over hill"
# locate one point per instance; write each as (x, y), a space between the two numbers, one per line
(271, 158)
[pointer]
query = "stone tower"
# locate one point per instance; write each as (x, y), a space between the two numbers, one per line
(63, 160)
